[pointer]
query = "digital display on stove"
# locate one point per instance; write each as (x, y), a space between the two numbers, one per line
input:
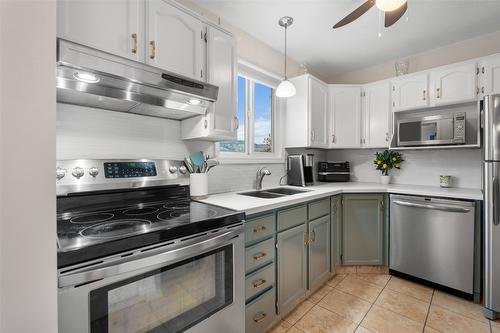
(129, 169)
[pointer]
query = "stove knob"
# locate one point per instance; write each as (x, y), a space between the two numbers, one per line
(172, 169)
(182, 169)
(78, 172)
(60, 173)
(93, 171)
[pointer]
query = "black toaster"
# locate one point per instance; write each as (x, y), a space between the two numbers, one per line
(334, 172)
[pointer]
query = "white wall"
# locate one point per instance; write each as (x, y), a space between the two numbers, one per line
(419, 168)
(28, 280)
(464, 50)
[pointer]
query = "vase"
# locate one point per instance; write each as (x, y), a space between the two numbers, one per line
(198, 186)
(385, 179)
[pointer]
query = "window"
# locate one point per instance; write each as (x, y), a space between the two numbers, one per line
(256, 114)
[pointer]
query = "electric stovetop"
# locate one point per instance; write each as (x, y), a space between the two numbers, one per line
(96, 224)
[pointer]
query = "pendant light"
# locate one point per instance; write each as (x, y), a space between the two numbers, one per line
(285, 88)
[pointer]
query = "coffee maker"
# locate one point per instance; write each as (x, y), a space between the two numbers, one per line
(300, 170)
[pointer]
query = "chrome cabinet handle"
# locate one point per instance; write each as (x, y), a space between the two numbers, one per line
(259, 283)
(433, 207)
(438, 93)
(134, 43)
(496, 220)
(261, 318)
(152, 46)
(333, 138)
(313, 237)
(259, 229)
(424, 95)
(259, 256)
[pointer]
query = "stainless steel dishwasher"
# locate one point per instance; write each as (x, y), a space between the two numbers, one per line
(433, 239)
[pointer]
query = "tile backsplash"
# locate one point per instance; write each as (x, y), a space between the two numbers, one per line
(421, 167)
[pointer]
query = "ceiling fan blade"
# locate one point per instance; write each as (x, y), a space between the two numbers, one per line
(393, 16)
(355, 14)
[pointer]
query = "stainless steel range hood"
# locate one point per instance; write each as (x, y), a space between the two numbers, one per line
(89, 77)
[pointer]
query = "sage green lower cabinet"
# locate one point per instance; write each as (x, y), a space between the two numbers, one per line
(319, 250)
(292, 266)
(335, 232)
(363, 229)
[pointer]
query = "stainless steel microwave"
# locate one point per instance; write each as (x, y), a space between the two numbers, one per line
(445, 129)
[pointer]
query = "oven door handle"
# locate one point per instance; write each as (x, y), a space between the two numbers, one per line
(162, 259)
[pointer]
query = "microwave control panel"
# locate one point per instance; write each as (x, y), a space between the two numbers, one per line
(459, 128)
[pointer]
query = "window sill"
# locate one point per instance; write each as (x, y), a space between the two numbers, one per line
(250, 160)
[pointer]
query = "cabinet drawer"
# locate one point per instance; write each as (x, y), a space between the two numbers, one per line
(259, 281)
(260, 313)
(291, 217)
(259, 228)
(259, 254)
(319, 208)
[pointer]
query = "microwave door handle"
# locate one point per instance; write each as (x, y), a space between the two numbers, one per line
(451, 209)
(155, 261)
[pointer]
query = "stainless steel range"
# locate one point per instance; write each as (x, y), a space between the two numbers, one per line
(136, 255)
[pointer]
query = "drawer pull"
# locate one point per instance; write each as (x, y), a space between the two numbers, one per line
(134, 43)
(259, 229)
(261, 318)
(259, 283)
(259, 256)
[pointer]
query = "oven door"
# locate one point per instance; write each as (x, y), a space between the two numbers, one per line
(198, 290)
(432, 130)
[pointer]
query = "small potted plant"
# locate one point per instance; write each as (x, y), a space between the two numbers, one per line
(386, 161)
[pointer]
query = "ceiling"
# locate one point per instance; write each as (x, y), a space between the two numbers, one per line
(311, 40)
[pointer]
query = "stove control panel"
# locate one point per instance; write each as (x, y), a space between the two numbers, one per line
(129, 169)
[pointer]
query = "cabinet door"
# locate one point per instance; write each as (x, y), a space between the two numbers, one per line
(345, 117)
(222, 73)
(318, 99)
(110, 26)
(292, 266)
(456, 84)
(376, 115)
(363, 229)
(319, 251)
(176, 40)
(489, 76)
(410, 92)
(335, 232)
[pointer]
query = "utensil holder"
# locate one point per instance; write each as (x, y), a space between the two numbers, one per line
(198, 186)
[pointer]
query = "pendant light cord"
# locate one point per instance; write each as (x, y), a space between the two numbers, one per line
(286, 26)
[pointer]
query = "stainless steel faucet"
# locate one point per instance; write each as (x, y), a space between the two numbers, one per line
(260, 176)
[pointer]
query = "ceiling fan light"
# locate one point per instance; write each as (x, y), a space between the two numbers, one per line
(389, 5)
(286, 89)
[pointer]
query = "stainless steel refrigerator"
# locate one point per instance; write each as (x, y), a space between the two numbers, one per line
(491, 188)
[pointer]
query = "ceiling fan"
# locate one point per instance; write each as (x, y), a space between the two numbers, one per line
(393, 10)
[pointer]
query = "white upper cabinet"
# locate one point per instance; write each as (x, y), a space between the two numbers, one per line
(489, 76)
(410, 92)
(220, 122)
(454, 84)
(376, 113)
(345, 116)
(306, 116)
(175, 40)
(111, 26)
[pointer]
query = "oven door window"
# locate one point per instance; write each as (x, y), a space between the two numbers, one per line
(167, 300)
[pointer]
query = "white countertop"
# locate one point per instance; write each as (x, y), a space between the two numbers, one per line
(252, 205)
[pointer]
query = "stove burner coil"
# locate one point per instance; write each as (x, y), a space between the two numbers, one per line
(118, 228)
(92, 218)
(140, 211)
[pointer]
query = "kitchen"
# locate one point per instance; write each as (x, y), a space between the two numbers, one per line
(245, 170)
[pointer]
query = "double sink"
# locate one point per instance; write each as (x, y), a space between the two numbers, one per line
(273, 193)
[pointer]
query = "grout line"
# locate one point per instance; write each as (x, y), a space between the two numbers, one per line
(428, 309)
(371, 306)
(491, 329)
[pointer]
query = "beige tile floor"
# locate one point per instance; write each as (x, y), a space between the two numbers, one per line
(378, 303)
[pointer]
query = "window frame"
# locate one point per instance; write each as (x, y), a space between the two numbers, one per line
(252, 75)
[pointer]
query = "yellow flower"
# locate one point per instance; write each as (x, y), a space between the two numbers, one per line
(394, 159)
(396, 165)
(379, 162)
(384, 166)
